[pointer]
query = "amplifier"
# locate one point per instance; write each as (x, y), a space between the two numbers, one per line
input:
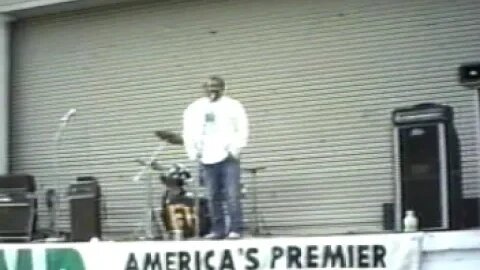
(427, 166)
(469, 74)
(18, 181)
(17, 215)
(85, 217)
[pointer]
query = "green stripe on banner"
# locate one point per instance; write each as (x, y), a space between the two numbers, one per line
(23, 260)
(64, 259)
(3, 263)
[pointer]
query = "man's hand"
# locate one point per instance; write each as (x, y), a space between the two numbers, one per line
(233, 151)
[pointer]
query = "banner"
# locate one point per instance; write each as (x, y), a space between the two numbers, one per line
(392, 252)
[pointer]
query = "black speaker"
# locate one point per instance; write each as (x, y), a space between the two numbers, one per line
(469, 74)
(17, 215)
(388, 216)
(471, 212)
(86, 179)
(85, 218)
(428, 176)
(18, 207)
(18, 181)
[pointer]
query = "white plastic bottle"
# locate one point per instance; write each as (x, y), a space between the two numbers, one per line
(410, 222)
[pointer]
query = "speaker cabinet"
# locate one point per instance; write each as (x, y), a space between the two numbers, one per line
(85, 218)
(17, 216)
(18, 207)
(471, 212)
(388, 216)
(428, 177)
(469, 74)
(18, 181)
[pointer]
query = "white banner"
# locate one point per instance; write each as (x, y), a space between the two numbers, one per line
(394, 252)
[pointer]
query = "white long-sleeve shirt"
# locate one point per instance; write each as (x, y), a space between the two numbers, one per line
(213, 130)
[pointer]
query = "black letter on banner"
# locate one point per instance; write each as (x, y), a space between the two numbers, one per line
(334, 257)
(208, 256)
(148, 263)
(363, 256)
(379, 252)
(227, 260)
(132, 263)
(277, 253)
(170, 258)
(251, 258)
(351, 256)
(294, 254)
(198, 260)
(312, 257)
(183, 260)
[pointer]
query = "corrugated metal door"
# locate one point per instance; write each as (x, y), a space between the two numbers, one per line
(318, 78)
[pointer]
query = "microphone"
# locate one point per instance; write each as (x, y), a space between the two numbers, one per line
(64, 122)
(68, 115)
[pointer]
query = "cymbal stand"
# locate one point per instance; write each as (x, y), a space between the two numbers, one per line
(148, 208)
(257, 226)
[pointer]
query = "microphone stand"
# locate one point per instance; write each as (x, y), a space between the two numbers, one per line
(55, 195)
(257, 227)
(146, 168)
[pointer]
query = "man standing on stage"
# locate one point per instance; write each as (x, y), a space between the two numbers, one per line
(215, 130)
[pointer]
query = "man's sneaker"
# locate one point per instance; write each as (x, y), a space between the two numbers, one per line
(212, 236)
(234, 235)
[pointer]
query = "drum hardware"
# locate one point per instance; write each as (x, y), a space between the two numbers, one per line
(180, 205)
(178, 218)
(176, 139)
(154, 165)
(257, 222)
(146, 169)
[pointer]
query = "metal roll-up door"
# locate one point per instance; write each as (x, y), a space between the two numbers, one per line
(318, 79)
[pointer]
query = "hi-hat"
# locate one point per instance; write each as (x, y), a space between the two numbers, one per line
(170, 137)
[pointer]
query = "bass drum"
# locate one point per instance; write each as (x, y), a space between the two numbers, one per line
(178, 213)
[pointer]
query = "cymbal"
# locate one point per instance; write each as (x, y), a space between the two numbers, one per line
(154, 165)
(169, 136)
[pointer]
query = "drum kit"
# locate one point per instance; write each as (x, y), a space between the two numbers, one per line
(183, 213)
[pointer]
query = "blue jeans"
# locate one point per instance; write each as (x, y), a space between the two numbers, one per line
(223, 185)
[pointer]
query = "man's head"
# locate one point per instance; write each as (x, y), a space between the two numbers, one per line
(214, 87)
